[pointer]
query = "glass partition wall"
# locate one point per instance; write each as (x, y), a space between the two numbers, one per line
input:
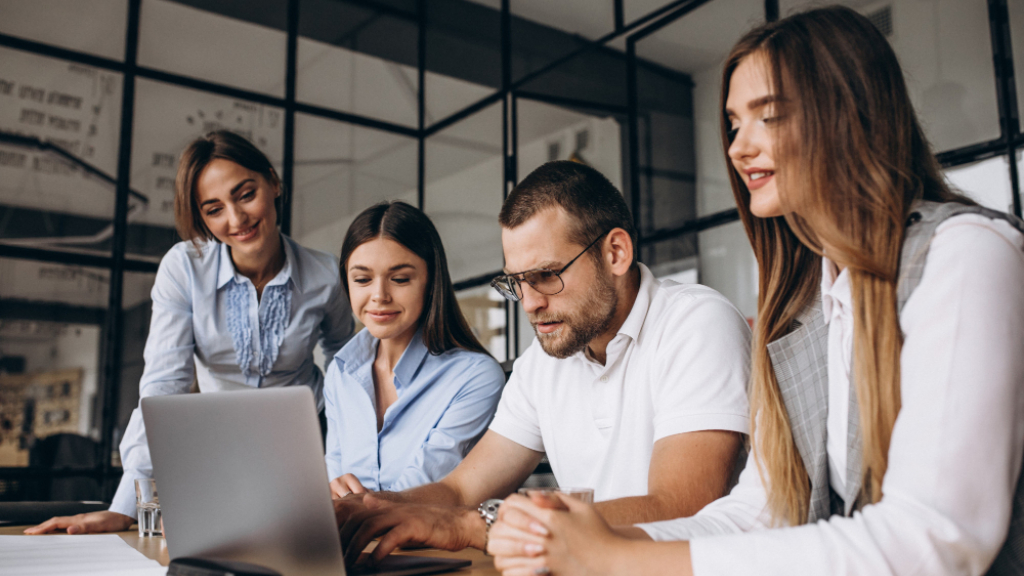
(443, 104)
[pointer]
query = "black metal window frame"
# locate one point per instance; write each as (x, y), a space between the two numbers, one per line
(1009, 141)
(509, 93)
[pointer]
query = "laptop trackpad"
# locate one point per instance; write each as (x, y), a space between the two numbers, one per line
(397, 565)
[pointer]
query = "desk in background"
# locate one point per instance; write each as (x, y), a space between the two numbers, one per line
(155, 549)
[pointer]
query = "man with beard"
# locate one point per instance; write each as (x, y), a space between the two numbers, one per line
(634, 387)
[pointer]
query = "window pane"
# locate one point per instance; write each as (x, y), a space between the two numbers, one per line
(672, 256)
(633, 10)
(987, 182)
(463, 56)
(46, 200)
(945, 49)
(727, 264)
(93, 26)
(683, 173)
(408, 6)
(547, 133)
(484, 310)
(543, 32)
(50, 321)
(701, 39)
(243, 44)
(357, 60)
(463, 194)
(696, 44)
(137, 308)
(1020, 175)
(340, 170)
(593, 23)
(677, 150)
(168, 118)
(1016, 8)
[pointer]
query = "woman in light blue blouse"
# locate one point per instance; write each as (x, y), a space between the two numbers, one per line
(408, 396)
(236, 306)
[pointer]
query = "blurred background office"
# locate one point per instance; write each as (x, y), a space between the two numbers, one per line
(442, 103)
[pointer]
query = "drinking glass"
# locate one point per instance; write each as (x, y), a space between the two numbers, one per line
(585, 495)
(147, 505)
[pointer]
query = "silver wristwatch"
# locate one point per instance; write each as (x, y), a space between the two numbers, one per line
(489, 511)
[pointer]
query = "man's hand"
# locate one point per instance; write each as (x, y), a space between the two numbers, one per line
(444, 527)
(536, 537)
(346, 484)
(346, 507)
(90, 523)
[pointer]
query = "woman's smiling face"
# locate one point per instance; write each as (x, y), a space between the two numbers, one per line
(751, 112)
(237, 206)
(387, 284)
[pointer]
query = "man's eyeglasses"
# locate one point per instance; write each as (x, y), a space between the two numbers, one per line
(543, 280)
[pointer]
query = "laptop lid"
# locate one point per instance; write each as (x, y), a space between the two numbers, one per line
(241, 476)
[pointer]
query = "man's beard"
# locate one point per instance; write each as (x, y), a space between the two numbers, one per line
(589, 319)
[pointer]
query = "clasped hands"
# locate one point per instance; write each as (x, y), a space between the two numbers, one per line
(536, 535)
(553, 534)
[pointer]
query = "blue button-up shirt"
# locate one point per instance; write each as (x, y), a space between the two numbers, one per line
(199, 302)
(444, 404)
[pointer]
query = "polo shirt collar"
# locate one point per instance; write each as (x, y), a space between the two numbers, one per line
(635, 321)
(226, 268)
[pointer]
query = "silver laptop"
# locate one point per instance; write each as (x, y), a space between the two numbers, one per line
(241, 477)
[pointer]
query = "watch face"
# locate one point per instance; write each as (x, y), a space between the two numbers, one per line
(489, 510)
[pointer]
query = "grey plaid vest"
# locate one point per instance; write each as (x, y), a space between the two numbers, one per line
(800, 361)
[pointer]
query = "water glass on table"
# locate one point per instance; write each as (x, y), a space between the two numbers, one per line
(585, 495)
(147, 505)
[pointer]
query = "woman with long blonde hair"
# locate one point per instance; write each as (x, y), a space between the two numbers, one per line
(886, 393)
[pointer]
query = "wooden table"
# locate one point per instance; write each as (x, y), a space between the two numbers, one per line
(156, 549)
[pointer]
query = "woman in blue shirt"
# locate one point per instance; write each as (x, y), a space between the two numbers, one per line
(237, 305)
(409, 396)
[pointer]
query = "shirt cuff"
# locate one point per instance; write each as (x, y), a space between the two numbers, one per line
(124, 498)
(698, 422)
(517, 434)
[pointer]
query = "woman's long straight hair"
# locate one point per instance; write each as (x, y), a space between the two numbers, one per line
(851, 157)
(444, 326)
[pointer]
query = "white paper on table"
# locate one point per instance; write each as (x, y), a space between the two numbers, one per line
(86, 555)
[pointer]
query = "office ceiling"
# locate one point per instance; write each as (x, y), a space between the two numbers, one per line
(695, 42)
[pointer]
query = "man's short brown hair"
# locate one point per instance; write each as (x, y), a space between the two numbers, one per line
(593, 203)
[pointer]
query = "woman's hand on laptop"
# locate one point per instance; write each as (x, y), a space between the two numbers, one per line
(346, 484)
(91, 523)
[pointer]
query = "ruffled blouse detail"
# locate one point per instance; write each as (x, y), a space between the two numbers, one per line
(273, 319)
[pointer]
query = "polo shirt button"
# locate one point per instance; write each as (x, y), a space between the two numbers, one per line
(604, 378)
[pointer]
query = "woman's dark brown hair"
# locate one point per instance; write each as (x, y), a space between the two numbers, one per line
(850, 153)
(220, 144)
(444, 326)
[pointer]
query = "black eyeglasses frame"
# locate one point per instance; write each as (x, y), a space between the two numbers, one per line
(510, 285)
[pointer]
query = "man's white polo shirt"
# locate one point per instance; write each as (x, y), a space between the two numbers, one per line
(679, 363)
